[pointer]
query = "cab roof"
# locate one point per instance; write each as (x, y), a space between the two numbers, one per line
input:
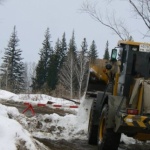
(131, 43)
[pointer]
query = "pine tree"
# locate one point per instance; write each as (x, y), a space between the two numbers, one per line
(43, 65)
(63, 50)
(54, 66)
(56, 62)
(84, 47)
(72, 50)
(12, 66)
(106, 54)
(93, 52)
(131, 39)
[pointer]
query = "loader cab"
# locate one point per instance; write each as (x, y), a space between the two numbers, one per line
(134, 60)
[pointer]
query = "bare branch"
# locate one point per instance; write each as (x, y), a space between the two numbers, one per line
(1, 1)
(111, 24)
(142, 8)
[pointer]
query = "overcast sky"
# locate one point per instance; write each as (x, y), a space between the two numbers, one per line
(32, 17)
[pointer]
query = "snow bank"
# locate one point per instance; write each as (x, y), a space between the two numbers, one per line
(66, 127)
(47, 126)
(13, 135)
(34, 99)
(6, 95)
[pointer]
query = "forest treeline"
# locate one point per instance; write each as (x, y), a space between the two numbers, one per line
(61, 71)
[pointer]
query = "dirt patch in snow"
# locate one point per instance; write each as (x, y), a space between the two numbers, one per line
(67, 145)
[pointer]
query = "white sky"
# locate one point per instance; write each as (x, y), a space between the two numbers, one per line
(32, 17)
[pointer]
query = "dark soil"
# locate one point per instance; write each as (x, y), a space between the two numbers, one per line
(67, 145)
(82, 145)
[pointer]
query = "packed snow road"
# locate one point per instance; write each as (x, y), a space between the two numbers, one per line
(82, 145)
(67, 145)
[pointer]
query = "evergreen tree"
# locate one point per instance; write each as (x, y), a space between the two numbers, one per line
(106, 54)
(93, 52)
(12, 66)
(72, 50)
(84, 46)
(131, 38)
(63, 50)
(56, 62)
(43, 65)
(54, 66)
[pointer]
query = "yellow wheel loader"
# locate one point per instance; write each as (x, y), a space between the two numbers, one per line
(120, 89)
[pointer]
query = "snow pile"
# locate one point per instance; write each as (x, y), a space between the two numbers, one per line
(44, 99)
(127, 140)
(7, 95)
(50, 126)
(57, 127)
(34, 99)
(13, 135)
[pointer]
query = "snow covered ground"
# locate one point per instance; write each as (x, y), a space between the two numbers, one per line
(17, 130)
(13, 134)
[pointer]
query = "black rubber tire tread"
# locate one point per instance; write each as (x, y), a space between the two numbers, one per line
(110, 140)
(92, 129)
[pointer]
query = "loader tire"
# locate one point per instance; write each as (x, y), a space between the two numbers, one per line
(92, 129)
(107, 138)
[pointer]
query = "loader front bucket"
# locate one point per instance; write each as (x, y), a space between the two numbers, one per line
(95, 83)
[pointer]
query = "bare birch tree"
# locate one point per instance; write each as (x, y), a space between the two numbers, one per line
(82, 68)
(67, 74)
(30, 72)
